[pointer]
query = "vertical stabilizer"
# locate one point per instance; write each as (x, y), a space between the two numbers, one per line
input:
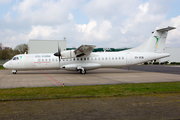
(156, 42)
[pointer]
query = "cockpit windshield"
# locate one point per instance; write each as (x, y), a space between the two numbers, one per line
(15, 58)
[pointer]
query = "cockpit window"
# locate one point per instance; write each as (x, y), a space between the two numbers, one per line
(15, 58)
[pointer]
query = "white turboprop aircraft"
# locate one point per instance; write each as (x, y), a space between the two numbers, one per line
(83, 59)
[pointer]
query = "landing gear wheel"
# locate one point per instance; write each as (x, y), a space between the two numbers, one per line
(83, 71)
(14, 71)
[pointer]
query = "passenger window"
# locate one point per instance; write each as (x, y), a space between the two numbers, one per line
(106, 58)
(112, 58)
(81, 59)
(84, 58)
(109, 58)
(102, 58)
(119, 58)
(95, 58)
(42, 60)
(74, 59)
(52, 59)
(116, 58)
(87, 58)
(122, 57)
(49, 60)
(99, 58)
(77, 58)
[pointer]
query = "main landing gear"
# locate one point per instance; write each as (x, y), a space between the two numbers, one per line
(81, 70)
(14, 71)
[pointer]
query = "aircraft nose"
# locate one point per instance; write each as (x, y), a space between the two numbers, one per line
(4, 65)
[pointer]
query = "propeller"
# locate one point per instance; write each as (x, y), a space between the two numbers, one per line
(58, 53)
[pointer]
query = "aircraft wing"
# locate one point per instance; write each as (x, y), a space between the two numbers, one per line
(84, 50)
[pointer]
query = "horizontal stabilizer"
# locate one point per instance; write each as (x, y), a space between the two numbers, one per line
(165, 29)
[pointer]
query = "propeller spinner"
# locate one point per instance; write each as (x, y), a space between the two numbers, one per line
(58, 53)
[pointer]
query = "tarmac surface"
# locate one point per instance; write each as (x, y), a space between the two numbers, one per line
(47, 78)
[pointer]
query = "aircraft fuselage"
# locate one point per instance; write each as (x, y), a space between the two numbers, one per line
(93, 61)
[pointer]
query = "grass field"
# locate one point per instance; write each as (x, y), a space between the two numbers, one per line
(1, 67)
(96, 91)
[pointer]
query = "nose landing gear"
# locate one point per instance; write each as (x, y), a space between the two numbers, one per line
(14, 71)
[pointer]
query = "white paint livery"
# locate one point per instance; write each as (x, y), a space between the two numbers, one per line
(83, 59)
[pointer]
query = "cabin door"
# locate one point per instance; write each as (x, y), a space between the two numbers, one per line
(128, 59)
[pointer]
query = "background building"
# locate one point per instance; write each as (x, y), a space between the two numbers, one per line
(174, 57)
(46, 46)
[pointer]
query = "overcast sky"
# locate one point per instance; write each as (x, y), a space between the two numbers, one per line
(104, 23)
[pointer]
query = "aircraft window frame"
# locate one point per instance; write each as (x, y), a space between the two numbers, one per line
(42, 60)
(99, 58)
(87, 58)
(95, 58)
(49, 60)
(115, 58)
(119, 58)
(66, 59)
(77, 59)
(91, 58)
(53, 59)
(84, 58)
(112, 58)
(123, 58)
(106, 58)
(102, 58)
(109, 58)
(74, 59)
(45, 60)
(81, 59)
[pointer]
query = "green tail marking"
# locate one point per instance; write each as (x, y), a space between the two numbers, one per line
(156, 41)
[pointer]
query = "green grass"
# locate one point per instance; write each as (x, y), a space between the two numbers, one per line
(119, 90)
(1, 67)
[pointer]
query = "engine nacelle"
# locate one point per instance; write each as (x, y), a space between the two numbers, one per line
(68, 54)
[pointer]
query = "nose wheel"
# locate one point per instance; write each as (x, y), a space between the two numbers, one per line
(14, 71)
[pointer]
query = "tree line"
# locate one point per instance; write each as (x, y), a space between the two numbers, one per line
(7, 52)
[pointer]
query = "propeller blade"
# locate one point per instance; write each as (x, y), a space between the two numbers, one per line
(58, 53)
